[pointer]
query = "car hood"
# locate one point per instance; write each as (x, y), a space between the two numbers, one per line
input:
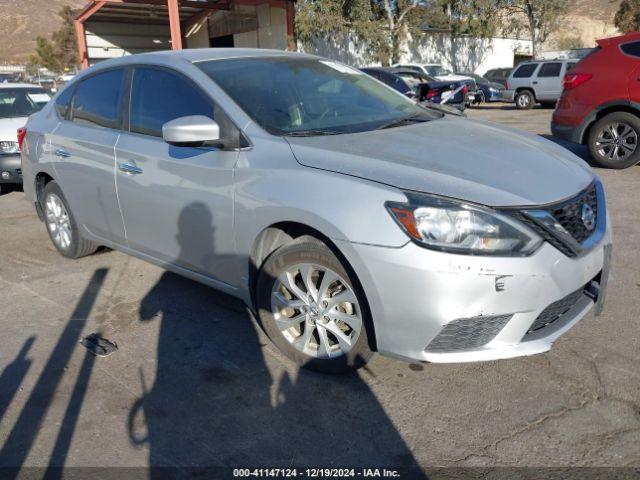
(9, 128)
(452, 78)
(455, 157)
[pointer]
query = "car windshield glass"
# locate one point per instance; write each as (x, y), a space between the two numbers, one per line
(21, 102)
(309, 96)
(437, 70)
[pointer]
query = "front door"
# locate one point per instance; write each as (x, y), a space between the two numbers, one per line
(177, 202)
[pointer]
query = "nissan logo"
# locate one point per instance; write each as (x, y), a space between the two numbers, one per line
(588, 217)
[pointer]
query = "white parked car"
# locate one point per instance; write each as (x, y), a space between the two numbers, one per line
(436, 71)
(17, 102)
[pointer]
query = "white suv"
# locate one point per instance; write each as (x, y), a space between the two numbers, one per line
(537, 81)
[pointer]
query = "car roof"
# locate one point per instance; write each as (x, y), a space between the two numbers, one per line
(18, 85)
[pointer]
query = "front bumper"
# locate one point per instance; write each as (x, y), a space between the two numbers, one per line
(508, 95)
(10, 169)
(414, 293)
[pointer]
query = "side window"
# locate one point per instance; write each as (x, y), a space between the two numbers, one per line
(525, 71)
(570, 66)
(632, 49)
(64, 101)
(97, 100)
(550, 69)
(159, 96)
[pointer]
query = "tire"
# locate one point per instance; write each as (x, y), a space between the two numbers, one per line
(62, 226)
(301, 340)
(525, 100)
(625, 125)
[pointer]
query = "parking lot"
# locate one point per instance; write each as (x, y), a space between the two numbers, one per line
(195, 383)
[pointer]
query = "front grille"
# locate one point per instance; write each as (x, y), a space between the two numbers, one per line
(569, 214)
(468, 333)
(565, 215)
(556, 311)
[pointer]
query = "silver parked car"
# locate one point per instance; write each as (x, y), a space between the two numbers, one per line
(350, 218)
(537, 81)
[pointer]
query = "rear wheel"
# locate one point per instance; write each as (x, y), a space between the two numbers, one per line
(613, 140)
(525, 100)
(61, 225)
(310, 309)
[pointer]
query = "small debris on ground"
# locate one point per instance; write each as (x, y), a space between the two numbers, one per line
(98, 345)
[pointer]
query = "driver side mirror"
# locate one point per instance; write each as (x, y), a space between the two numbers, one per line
(192, 131)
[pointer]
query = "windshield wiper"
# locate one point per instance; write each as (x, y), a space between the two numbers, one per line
(414, 117)
(311, 133)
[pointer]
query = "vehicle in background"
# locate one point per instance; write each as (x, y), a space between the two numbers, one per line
(67, 77)
(17, 102)
(600, 103)
(444, 75)
(348, 217)
(537, 81)
(487, 91)
(498, 75)
(421, 87)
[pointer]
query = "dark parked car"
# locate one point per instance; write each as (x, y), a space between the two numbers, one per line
(498, 75)
(488, 91)
(600, 104)
(421, 87)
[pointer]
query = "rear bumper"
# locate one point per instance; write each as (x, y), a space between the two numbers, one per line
(10, 169)
(570, 133)
(415, 294)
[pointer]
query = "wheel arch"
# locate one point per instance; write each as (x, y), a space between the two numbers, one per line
(41, 180)
(279, 234)
(608, 109)
(529, 89)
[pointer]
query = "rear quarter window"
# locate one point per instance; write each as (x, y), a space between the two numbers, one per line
(63, 102)
(551, 69)
(632, 49)
(525, 71)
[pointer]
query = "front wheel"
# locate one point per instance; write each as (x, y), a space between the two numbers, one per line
(613, 140)
(525, 100)
(311, 310)
(61, 225)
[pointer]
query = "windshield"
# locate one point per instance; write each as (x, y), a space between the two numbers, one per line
(436, 70)
(21, 102)
(289, 96)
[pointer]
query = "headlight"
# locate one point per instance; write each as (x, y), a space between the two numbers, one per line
(457, 227)
(9, 147)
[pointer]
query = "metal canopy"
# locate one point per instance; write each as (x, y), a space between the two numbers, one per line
(178, 15)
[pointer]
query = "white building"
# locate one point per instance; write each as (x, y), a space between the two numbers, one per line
(459, 53)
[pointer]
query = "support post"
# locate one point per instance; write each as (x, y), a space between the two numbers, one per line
(291, 33)
(174, 24)
(83, 53)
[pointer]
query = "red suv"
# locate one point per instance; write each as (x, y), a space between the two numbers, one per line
(600, 104)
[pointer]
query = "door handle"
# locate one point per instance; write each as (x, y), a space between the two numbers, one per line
(62, 153)
(131, 169)
(535, 83)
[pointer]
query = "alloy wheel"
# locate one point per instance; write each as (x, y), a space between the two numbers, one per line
(617, 141)
(524, 100)
(316, 311)
(58, 221)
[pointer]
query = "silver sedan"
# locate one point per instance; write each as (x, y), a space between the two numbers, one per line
(351, 219)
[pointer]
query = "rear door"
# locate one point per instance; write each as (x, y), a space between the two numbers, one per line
(177, 202)
(548, 81)
(82, 148)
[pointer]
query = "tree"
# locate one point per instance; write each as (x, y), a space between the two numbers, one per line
(542, 17)
(384, 25)
(627, 18)
(59, 53)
